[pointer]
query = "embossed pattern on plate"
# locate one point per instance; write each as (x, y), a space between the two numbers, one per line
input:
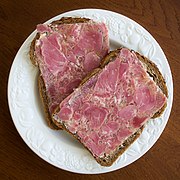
(56, 147)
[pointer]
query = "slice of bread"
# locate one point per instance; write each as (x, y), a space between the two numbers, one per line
(106, 159)
(47, 100)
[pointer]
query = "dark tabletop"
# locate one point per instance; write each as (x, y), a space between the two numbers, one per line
(19, 18)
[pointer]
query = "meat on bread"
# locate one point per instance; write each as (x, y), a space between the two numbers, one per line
(65, 51)
(108, 111)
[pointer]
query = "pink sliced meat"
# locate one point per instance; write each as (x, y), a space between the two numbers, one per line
(66, 53)
(96, 115)
(65, 113)
(123, 133)
(127, 113)
(43, 29)
(54, 59)
(109, 79)
(91, 61)
(106, 121)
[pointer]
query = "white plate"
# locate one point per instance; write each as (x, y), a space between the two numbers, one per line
(57, 147)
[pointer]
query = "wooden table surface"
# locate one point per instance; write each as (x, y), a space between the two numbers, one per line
(19, 18)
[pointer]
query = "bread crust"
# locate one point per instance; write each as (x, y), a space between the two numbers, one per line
(32, 55)
(44, 99)
(154, 72)
(33, 58)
